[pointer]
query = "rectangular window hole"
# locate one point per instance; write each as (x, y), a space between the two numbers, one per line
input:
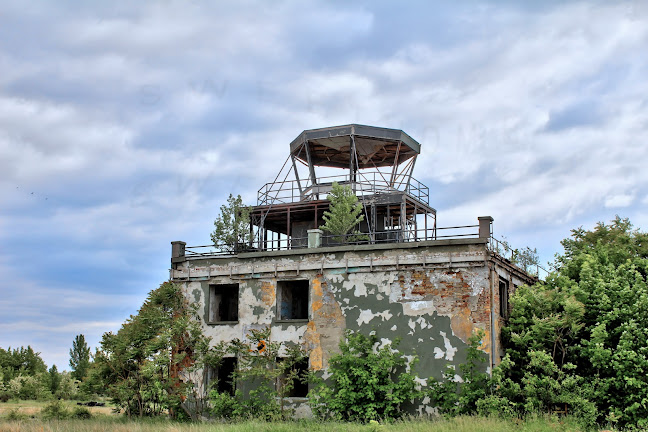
(297, 374)
(221, 378)
(503, 298)
(223, 303)
(292, 300)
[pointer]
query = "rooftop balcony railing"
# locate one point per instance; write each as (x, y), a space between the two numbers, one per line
(286, 243)
(365, 183)
(527, 262)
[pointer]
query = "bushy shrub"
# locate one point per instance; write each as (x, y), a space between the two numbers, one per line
(81, 413)
(28, 387)
(453, 397)
(15, 414)
(224, 405)
(68, 387)
(55, 410)
(367, 382)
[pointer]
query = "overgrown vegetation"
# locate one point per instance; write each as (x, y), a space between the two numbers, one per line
(367, 382)
(265, 374)
(344, 215)
(140, 365)
(525, 258)
(232, 227)
(578, 342)
(453, 397)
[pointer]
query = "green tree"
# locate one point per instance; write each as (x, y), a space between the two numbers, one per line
(68, 388)
(366, 383)
(20, 361)
(54, 380)
(141, 363)
(79, 357)
(232, 227)
(344, 215)
(589, 321)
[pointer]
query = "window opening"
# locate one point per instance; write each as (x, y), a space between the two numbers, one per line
(221, 378)
(223, 303)
(298, 385)
(292, 300)
(503, 298)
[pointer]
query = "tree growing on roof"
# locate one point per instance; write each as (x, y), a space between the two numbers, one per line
(232, 226)
(344, 215)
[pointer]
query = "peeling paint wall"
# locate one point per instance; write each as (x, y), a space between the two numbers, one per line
(432, 296)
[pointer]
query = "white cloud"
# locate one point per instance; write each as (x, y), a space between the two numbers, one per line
(622, 200)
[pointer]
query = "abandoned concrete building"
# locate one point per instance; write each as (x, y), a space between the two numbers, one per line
(430, 286)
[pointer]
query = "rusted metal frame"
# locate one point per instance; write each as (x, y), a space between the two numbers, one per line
(435, 227)
(403, 217)
(311, 168)
(263, 217)
(460, 226)
(409, 178)
(426, 226)
(364, 202)
(401, 174)
(395, 168)
(352, 165)
(297, 177)
(371, 155)
(288, 230)
(372, 236)
(264, 244)
(381, 175)
(280, 171)
(415, 224)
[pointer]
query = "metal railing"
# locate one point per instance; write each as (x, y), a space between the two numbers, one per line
(365, 183)
(526, 259)
(396, 235)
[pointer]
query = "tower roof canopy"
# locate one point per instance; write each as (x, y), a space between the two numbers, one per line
(375, 146)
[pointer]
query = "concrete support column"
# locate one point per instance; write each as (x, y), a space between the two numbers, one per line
(485, 224)
(314, 238)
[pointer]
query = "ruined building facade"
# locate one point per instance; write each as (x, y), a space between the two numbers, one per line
(431, 287)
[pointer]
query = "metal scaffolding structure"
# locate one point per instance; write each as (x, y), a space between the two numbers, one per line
(376, 163)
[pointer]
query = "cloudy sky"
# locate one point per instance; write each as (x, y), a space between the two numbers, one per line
(125, 125)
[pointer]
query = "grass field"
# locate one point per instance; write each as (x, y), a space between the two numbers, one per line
(104, 420)
(33, 408)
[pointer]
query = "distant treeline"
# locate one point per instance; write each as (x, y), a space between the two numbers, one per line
(24, 374)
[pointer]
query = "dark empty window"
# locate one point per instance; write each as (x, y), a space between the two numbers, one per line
(292, 300)
(221, 378)
(503, 298)
(223, 303)
(297, 374)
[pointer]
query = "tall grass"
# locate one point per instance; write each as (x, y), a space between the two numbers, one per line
(120, 424)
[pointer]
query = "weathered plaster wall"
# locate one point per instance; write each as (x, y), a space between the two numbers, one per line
(432, 297)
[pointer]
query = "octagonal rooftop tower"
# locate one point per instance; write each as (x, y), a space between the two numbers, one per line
(377, 163)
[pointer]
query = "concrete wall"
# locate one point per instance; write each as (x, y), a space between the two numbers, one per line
(432, 295)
